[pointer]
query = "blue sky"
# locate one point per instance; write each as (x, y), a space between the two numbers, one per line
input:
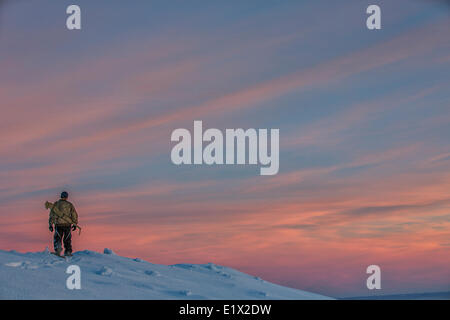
(364, 130)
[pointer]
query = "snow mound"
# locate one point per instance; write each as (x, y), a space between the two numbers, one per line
(108, 251)
(41, 275)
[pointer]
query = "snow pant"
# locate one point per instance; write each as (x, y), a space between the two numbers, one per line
(62, 233)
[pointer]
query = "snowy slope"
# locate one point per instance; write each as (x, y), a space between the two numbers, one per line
(40, 275)
(406, 296)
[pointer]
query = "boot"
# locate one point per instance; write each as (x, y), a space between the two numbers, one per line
(67, 253)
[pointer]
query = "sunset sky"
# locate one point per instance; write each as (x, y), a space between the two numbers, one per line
(364, 119)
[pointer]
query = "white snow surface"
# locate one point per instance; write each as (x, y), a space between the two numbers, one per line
(41, 275)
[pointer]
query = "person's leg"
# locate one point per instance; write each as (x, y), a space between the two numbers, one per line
(67, 241)
(57, 236)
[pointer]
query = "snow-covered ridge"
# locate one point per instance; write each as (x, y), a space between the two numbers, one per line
(41, 275)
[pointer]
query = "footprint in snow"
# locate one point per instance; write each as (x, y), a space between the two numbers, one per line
(152, 273)
(144, 286)
(181, 293)
(54, 262)
(21, 265)
(14, 264)
(258, 293)
(213, 267)
(105, 271)
(225, 275)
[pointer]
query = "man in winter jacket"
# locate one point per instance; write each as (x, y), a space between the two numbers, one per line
(64, 216)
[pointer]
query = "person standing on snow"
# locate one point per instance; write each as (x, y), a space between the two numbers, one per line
(64, 216)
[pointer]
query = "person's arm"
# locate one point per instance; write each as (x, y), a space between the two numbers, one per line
(74, 215)
(51, 218)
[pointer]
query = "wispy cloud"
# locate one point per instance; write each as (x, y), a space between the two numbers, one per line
(364, 149)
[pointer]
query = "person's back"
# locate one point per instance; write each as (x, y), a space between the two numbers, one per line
(63, 213)
(64, 216)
